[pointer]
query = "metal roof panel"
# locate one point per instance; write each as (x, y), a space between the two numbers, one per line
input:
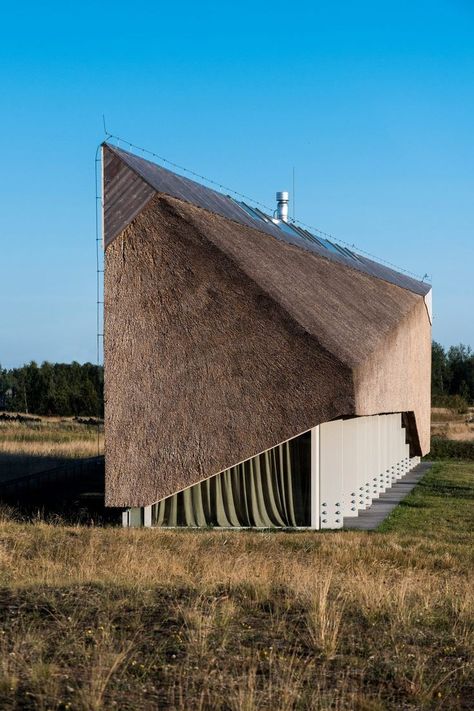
(165, 181)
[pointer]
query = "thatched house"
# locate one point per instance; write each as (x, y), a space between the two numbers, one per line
(255, 374)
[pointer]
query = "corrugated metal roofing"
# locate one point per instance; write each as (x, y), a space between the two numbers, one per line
(129, 202)
(125, 195)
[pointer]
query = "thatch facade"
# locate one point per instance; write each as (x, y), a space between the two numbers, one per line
(224, 338)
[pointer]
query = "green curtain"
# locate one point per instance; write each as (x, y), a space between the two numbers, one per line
(270, 490)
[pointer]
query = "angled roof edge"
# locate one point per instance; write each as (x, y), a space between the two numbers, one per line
(125, 195)
(162, 180)
(429, 305)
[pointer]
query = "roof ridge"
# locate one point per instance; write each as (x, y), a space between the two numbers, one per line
(347, 361)
(188, 190)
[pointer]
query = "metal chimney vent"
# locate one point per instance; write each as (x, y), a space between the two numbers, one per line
(282, 206)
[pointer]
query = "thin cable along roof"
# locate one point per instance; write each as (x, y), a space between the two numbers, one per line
(165, 181)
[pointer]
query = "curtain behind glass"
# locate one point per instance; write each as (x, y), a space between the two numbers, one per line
(270, 490)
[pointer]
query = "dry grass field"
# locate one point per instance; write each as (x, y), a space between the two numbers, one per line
(27, 447)
(107, 618)
(49, 437)
(31, 446)
(452, 425)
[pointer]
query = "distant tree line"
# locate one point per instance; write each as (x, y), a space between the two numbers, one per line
(73, 389)
(452, 375)
(53, 389)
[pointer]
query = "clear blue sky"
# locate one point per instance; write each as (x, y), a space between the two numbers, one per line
(372, 102)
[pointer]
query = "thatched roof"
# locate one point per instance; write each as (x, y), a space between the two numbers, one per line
(223, 340)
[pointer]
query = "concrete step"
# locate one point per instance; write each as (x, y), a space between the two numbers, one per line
(370, 518)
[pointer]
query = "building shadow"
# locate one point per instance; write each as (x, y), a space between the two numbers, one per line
(72, 490)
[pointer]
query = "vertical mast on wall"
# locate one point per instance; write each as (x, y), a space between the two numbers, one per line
(99, 253)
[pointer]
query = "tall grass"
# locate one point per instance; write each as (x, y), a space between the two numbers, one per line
(145, 619)
(324, 616)
(49, 438)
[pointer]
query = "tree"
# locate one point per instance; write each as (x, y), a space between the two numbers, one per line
(439, 374)
(460, 364)
(54, 388)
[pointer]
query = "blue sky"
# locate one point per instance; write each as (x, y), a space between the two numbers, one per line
(371, 102)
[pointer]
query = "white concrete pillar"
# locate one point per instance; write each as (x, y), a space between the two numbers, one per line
(400, 452)
(406, 458)
(369, 452)
(395, 421)
(147, 516)
(331, 474)
(403, 452)
(385, 451)
(388, 439)
(315, 478)
(380, 474)
(374, 456)
(351, 437)
(362, 462)
(125, 521)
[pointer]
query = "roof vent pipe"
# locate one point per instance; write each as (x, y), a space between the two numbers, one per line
(282, 206)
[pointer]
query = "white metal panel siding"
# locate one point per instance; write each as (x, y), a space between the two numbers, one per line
(358, 459)
(331, 474)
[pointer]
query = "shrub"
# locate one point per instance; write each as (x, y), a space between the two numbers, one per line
(456, 403)
(442, 448)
